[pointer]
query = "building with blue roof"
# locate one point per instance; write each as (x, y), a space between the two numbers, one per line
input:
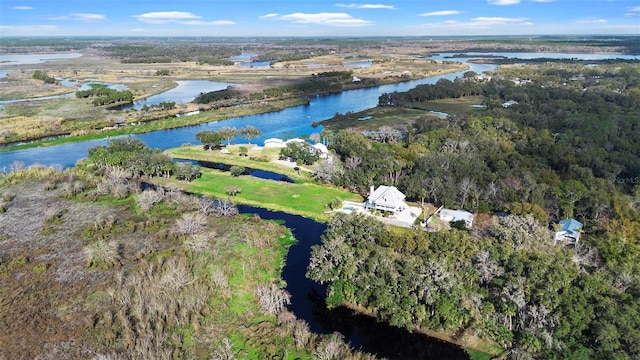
(569, 232)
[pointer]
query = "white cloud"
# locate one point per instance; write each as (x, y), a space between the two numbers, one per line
(483, 20)
(79, 17)
(366, 6)
(441, 13)
(216, 22)
(267, 16)
(503, 2)
(544, 1)
(330, 19)
(88, 17)
(178, 17)
(634, 9)
(630, 14)
(22, 8)
(164, 17)
(591, 21)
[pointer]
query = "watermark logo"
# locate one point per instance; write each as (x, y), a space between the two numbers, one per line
(624, 180)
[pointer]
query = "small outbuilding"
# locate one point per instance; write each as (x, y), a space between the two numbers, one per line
(449, 215)
(568, 232)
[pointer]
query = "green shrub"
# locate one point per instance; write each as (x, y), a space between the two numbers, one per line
(237, 170)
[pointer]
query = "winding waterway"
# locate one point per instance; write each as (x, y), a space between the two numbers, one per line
(287, 123)
(361, 331)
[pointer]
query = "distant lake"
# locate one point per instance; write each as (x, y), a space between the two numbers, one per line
(185, 92)
(532, 55)
(22, 59)
(360, 64)
(257, 64)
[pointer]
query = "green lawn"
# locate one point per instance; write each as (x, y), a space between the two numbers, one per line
(270, 154)
(453, 106)
(374, 118)
(306, 199)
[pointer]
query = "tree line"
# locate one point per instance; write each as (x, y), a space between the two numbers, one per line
(212, 139)
(140, 160)
(565, 150)
(105, 96)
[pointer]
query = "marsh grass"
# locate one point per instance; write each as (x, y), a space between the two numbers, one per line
(131, 287)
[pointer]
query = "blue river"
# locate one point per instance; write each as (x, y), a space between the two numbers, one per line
(287, 123)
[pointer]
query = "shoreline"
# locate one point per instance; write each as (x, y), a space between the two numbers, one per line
(173, 122)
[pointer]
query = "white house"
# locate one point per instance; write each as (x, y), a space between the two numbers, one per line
(386, 198)
(569, 232)
(298, 140)
(456, 215)
(322, 148)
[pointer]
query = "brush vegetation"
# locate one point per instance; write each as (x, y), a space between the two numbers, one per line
(94, 267)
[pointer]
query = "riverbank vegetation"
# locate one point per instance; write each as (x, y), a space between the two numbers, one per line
(564, 147)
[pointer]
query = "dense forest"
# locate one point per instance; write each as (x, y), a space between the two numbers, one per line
(566, 147)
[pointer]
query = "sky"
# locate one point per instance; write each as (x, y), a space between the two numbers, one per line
(255, 18)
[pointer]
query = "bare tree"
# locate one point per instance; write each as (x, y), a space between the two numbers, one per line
(224, 351)
(466, 187)
(148, 198)
(387, 134)
(352, 162)
(301, 333)
(205, 206)
(324, 171)
(487, 267)
(585, 255)
(623, 281)
(198, 242)
(101, 253)
(272, 299)
(224, 208)
(190, 223)
(332, 348)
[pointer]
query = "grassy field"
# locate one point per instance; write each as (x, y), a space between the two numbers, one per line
(461, 105)
(402, 117)
(305, 199)
(257, 158)
(376, 117)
